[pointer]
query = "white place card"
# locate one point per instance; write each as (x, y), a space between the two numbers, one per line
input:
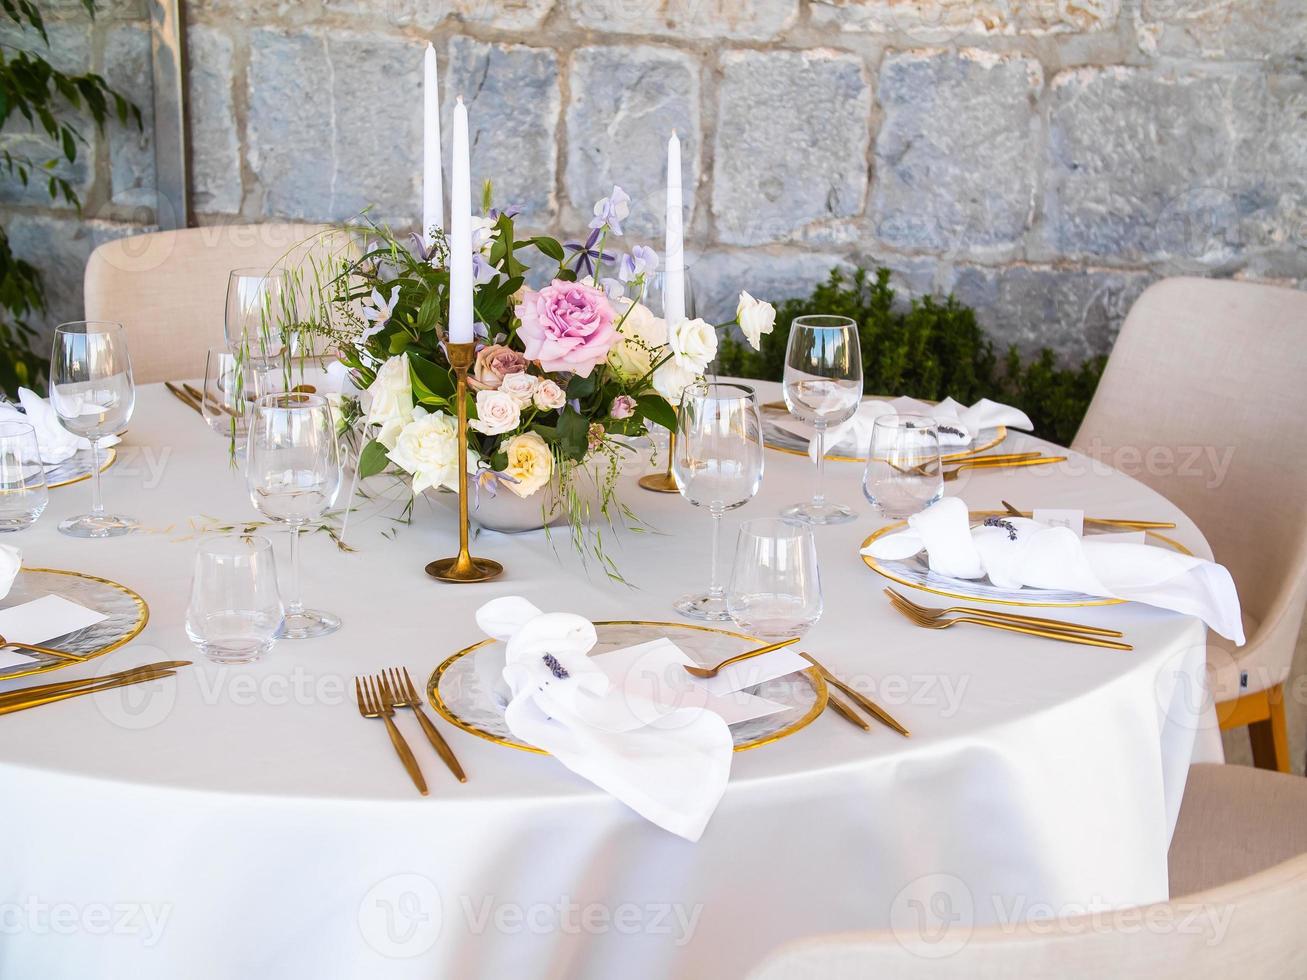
(654, 671)
(1074, 519)
(40, 620)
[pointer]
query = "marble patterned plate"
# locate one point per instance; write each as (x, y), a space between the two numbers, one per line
(77, 468)
(460, 689)
(127, 614)
(915, 572)
(781, 439)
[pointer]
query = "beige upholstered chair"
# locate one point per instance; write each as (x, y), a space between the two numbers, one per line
(1204, 399)
(1246, 927)
(169, 289)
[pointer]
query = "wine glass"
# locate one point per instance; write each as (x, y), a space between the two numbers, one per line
(823, 387)
(717, 462)
(903, 474)
(235, 612)
(92, 391)
(23, 493)
(775, 590)
(260, 304)
(292, 470)
(231, 388)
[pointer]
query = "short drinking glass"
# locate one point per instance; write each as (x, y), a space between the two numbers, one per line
(230, 390)
(775, 590)
(92, 391)
(823, 387)
(23, 494)
(235, 611)
(717, 462)
(903, 474)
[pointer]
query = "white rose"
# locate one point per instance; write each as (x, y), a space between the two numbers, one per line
(391, 394)
(755, 318)
(520, 387)
(693, 344)
(548, 396)
(643, 335)
(497, 412)
(672, 378)
(530, 463)
(428, 449)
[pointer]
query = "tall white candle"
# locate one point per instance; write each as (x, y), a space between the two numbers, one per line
(433, 205)
(674, 246)
(460, 234)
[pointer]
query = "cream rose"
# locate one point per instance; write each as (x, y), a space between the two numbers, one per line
(520, 387)
(693, 344)
(391, 394)
(530, 463)
(755, 318)
(497, 412)
(548, 396)
(642, 336)
(671, 379)
(427, 448)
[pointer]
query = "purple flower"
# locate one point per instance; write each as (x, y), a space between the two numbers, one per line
(612, 288)
(587, 255)
(511, 211)
(642, 261)
(611, 211)
(623, 407)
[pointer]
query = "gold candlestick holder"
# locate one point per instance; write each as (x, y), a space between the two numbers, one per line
(664, 482)
(463, 567)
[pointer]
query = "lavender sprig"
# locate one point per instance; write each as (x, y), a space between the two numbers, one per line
(1004, 524)
(555, 668)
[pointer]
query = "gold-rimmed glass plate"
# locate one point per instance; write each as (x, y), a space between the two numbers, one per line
(915, 573)
(466, 689)
(126, 614)
(77, 468)
(776, 436)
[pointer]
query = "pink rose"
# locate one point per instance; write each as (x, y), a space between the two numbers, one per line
(567, 326)
(623, 407)
(494, 363)
(548, 396)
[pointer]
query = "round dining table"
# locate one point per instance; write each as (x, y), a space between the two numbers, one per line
(246, 821)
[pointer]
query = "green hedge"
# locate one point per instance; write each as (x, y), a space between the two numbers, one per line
(932, 350)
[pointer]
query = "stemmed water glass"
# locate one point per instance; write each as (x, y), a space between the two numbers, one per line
(260, 302)
(92, 391)
(718, 465)
(775, 590)
(823, 387)
(292, 470)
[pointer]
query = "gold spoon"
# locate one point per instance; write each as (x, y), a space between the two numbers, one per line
(51, 651)
(747, 655)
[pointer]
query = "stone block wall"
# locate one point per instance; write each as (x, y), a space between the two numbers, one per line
(1043, 159)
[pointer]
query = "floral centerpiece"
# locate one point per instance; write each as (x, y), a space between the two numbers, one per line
(562, 372)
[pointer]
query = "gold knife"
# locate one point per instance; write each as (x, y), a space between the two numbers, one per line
(1107, 521)
(183, 397)
(877, 712)
(65, 695)
(38, 690)
(845, 711)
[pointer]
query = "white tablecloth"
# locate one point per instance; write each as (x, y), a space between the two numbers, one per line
(246, 822)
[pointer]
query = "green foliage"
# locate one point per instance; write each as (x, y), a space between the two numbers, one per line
(932, 350)
(46, 98)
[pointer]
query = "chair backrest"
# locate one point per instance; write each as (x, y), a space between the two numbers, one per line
(1204, 399)
(169, 288)
(1248, 928)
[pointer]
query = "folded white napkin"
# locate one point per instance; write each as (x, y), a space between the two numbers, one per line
(1016, 552)
(57, 444)
(11, 560)
(670, 764)
(958, 425)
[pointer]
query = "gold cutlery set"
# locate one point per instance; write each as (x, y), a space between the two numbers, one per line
(379, 696)
(1051, 629)
(39, 694)
(1104, 521)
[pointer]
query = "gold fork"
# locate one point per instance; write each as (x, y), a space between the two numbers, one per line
(939, 624)
(932, 612)
(405, 695)
(373, 704)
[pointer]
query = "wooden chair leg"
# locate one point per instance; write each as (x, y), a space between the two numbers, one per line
(1270, 738)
